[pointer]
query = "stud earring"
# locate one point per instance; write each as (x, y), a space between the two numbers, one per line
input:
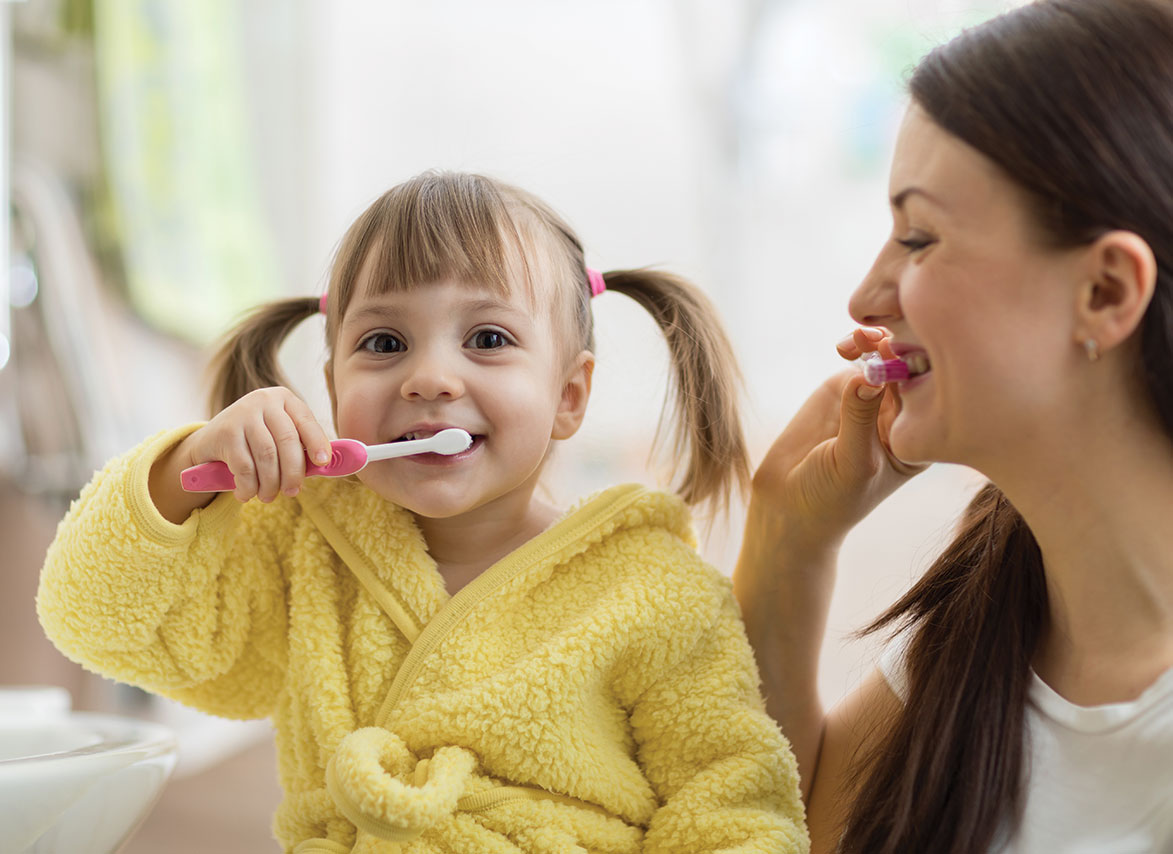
(1092, 348)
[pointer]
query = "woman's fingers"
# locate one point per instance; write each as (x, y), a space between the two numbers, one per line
(866, 420)
(816, 421)
(889, 409)
(863, 339)
(858, 447)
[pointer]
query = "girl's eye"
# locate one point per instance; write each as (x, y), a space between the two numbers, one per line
(383, 342)
(488, 339)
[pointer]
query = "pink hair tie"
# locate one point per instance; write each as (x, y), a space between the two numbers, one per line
(323, 302)
(595, 280)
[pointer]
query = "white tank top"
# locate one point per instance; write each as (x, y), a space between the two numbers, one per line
(1100, 777)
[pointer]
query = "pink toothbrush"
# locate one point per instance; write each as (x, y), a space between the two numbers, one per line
(347, 456)
(877, 370)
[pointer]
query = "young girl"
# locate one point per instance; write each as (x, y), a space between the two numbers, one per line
(452, 665)
(1026, 704)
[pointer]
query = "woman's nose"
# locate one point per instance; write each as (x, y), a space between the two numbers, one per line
(876, 302)
(432, 376)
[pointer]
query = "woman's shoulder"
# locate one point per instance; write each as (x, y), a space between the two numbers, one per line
(1154, 703)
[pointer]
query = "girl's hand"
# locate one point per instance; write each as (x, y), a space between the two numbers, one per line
(832, 464)
(263, 438)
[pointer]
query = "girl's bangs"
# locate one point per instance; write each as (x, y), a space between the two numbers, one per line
(448, 227)
(441, 228)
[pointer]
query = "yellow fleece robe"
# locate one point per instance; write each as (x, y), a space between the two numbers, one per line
(593, 691)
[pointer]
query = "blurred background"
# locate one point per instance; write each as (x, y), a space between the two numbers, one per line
(171, 163)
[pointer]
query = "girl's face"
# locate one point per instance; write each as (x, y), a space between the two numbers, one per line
(966, 281)
(451, 354)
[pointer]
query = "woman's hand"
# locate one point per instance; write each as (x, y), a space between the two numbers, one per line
(828, 469)
(832, 464)
(263, 437)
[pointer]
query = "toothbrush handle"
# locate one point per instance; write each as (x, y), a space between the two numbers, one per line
(346, 457)
(207, 477)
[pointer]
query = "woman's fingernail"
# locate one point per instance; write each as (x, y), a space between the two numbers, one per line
(321, 458)
(845, 341)
(872, 333)
(869, 392)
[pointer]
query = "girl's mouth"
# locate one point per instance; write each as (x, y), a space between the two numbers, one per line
(427, 434)
(478, 439)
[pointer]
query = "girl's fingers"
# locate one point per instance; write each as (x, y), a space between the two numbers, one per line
(290, 454)
(262, 447)
(310, 433)
(239, 459)
(264, 438)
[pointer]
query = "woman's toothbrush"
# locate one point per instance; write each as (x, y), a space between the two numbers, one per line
(346, 457)
(878, 370)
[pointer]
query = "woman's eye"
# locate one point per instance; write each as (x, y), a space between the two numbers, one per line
(912, 244)
(488, 339)
(383, 342)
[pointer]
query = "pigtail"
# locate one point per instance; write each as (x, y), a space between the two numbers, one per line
(247, 357)
(949, 775)
(706, 382)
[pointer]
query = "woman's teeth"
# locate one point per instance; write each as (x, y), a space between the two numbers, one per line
(918, 363)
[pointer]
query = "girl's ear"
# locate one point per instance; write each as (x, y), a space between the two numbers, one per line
(576, 391)
(1121, 277)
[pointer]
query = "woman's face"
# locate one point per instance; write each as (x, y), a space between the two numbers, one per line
(966, 280)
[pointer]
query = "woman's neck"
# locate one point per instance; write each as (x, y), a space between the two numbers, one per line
(1098, 506)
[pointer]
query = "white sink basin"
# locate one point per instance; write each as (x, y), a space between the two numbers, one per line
(76, 783)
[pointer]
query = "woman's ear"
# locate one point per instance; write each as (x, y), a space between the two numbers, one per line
(1121, 275)
(576, 391)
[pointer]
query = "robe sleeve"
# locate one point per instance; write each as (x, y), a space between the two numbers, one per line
(724, 775)
(194, 612)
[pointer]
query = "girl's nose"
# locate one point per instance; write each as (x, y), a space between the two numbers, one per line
(431, 376)
(876, 302)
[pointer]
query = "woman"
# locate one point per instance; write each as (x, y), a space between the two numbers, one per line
(1026, 702)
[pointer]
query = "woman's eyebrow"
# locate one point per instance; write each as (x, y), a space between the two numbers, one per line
(898, 200)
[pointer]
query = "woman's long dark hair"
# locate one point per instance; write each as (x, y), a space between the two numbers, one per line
(1073, 99)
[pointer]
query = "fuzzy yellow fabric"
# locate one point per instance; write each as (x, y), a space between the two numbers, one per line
(591, 692)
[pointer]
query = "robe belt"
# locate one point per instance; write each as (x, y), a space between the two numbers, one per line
(380, 787)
